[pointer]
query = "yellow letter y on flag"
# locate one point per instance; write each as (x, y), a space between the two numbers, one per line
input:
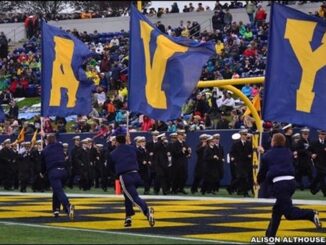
(300, 34)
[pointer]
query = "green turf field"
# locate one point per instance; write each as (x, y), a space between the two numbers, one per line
(27, 218)
(19, 234)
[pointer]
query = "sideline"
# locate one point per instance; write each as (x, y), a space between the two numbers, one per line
(161, 197)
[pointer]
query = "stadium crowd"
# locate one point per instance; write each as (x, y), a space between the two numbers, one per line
(241, 51)
(238, 55)
(14, 17)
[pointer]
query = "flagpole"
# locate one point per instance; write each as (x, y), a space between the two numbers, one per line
(42, 132)
(257, 187)
(127, 121)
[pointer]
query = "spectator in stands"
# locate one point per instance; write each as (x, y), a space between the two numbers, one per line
(227, 103)
(172, 128)
(185, 9)
(201, 105)
(247, 90)
(114, 41)
(105, 63)
(227, 19)
(60, 126)
(200, 8)
(250, 9)
(161, 11)
(145, 11)
(160, 26)
(100, 96)
(160, 126)
(254, 91)
(5, 97)
(195, 30)
(260, 16)
(115, 77)
(174, 8)
(120, 116)
(111, 110)
(248, 35)
(15, 127)
(47, 126)
(241, 28)
(218, 20)
(219, 47)
(147, 124)
(92, 74)
(13, 110)
(191, 7)
(152, 12)
(185, 31)
(82, 126)
(7, 129)
(14, 86)
(24, 83)
(217, 6)
(322, 10)
(250, 51)
(169, 31)
(3, 45)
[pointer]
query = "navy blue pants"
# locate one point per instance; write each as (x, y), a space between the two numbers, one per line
(283, 191)
(129, 182)
(57, 177)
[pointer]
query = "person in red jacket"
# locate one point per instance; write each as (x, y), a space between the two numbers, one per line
(24, 84)
(261, 15)
(250, 51)
(13, 85)
(147, 124)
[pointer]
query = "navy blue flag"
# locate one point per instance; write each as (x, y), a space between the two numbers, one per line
(295, 85)
(65, 87)
(163, 71)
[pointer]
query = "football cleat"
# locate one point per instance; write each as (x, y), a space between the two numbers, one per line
(127, 222)
(150, 217)
(317, 221)
(71, 212)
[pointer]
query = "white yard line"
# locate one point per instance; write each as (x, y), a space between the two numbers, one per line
(158, 197)
(119, 233)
